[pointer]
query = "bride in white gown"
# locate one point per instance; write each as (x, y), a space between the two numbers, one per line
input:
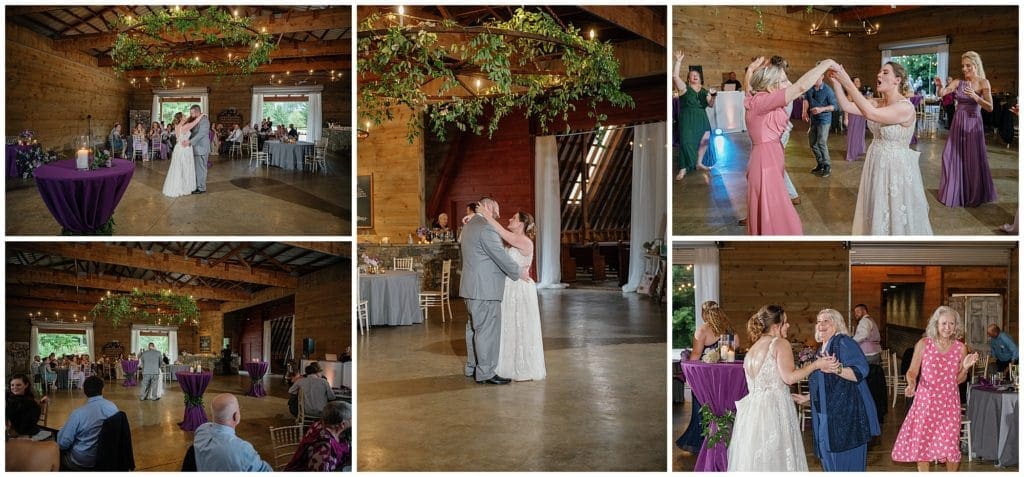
(181, 174)
(521, 350)
(766, 434)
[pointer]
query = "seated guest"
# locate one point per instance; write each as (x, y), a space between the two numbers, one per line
(442, 222)
(80, 434)
(217, 447)
(325, 448)
(293, 398)
(1002, 348)
(22, 453)
(316, 393)
(234, 138)
(34, 367)
(247, 130)
(292, 132)
(732, 80)
(116, 143)
(21, 387)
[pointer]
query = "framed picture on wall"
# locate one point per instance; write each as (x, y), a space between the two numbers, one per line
(364, 202)
(204, 344)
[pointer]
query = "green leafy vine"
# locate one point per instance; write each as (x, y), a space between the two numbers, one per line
(722, 426)
(136, 307)
(512, 59)
(194, 401)
(143, 41)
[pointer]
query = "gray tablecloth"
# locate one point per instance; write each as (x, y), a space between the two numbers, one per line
(174, 369)
(287, 156)
(994, 419)
(393, 296)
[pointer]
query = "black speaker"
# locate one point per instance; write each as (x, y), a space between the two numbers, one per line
(307, 347)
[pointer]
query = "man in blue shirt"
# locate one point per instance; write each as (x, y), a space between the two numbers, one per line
(819, 103)
(79, 437)
(1002, 348)
(217, 447)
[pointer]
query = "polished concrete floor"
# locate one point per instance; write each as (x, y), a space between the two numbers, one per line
(879, 453)
(239, 201)
(158, 443)
(601, 407)
(711, 203)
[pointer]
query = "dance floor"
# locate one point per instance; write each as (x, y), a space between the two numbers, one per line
(602, 406)
(878, 453)
(239, 201)
(158, 443)
(712, 203)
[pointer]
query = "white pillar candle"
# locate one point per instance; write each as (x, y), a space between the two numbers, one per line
(82, 159)
(199, 368)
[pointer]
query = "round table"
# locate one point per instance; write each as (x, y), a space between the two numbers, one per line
(256, 372)
(12, 157)
(393, 297)
(718, 385)
(83, 201)
(287, 155)
(130, 367)
(994, 417)
(193, 385)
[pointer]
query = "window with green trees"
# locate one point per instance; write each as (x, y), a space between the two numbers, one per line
(921, 70)
(62, 344)
(684, 309)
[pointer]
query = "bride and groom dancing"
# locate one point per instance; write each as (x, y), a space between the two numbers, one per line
(503, 335)
(187, 172)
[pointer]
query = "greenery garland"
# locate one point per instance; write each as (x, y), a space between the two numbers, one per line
(722, 425)
(195, 401)
(398, 60)
(179, 309)
(143, 44)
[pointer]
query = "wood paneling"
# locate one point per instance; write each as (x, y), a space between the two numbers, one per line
(52, 92)
(397, 169)
(802, 277)
(323, 309)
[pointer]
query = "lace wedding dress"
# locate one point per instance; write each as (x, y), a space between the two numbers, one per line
(521, 350)
(766, 434)
(891, 199)
(181, 174)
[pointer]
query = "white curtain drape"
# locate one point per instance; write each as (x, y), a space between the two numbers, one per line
(256, 108)
(134, 348)
(90, 338)
(155, 113)
(172, 346)
(548, 213)
(266, 341)
(33, 344)
(204, 105)
(647, 221)
(705, 278)
(314, 117)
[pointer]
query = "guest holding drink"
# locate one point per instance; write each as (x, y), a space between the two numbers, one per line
(694, 128)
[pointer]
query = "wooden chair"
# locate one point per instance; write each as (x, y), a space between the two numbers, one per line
(256, 154)
(403, 264)
(44, 407)
(440, 298)
(981, 367)
(284, 441)
(363, 316)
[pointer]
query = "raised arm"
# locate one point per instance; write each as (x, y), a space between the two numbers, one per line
(790, 373)
(753, 66)
(844, 102)
(985, 98)
(807, 81)
(896, 113)
(966, 363)
(491, 243)
(950, 87)
(680, 84)
(521, 242)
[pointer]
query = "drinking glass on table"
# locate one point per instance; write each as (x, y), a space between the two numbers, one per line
(713, 91)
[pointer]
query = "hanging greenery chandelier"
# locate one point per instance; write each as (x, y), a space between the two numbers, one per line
(160, 308)
(453, 75)
(144, 42)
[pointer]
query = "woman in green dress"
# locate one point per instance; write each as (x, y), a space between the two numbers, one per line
(694, 128)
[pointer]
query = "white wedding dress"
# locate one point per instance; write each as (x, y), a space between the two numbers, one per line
(766, 434)
(891, 200)
(181, 175)
(521, 349)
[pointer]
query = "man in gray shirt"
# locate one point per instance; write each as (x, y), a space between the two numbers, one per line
(316, 392)
(149, 361)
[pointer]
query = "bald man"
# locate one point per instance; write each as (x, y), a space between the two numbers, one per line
(1002, 348)
(217, 447)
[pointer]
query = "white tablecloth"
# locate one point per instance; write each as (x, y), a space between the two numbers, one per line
(728, 113)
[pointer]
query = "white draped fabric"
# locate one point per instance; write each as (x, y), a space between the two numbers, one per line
(548, 213)
(90, 338)
(155, 112)
(204, 105)
(172, 346)
(266, 341)
(647, 214)
(256, 116)
(33, 344)
(705, 278)
(314, 117)
(134, 348)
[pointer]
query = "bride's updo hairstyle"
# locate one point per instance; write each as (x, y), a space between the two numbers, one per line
(762, 321)
(529, 226)
(900, 72)
(713, 315)
(177, 118)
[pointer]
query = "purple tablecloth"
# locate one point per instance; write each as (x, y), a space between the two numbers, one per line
(256, 372)
(916, 101)
(12, 158)
(718, 385)
(194, 385)
(83, 201)
(130, 367)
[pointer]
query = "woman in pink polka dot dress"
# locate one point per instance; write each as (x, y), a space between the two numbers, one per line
(931, 430)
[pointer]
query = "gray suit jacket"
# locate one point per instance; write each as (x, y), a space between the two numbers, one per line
(485, 264)
(200, 138)
(150, 361)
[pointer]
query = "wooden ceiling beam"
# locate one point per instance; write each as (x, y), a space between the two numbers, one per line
(258, 298)
(161, 262)
(20, 11)
(298, 65)
(75, 296)
(21, 275)
(639, 20)
(292, 22)
(341, 249)
(301, 49)
(867, 13)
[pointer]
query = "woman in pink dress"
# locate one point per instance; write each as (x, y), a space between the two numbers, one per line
(768, 203)
(931, 430)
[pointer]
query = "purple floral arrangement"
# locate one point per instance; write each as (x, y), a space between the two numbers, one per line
(807, 355)
(31, 159)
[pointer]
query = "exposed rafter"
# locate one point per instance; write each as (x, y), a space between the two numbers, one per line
(18, 274)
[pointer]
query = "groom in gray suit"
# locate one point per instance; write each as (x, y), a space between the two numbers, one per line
(200, 140)
(484, 268)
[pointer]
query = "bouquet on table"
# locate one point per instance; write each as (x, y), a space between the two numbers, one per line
(31, 159)
(26, 137)
(372, 264)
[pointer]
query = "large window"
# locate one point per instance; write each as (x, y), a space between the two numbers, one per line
(921, 70)
(684, 309)
(288, 112)
(169, 108)
(62, 343)
(161, 342)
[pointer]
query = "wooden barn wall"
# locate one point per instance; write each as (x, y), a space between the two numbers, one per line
(51, 92)
(249, 324)
(323, 309)
(802, 277)
(991, 31)
(397, 170)
(1013, 312)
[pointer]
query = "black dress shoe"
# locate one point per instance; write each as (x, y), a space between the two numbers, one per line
(495, 380)
(825, 172)
(817, 169)
(197, 191)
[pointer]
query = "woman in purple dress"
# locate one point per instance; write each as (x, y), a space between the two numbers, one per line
(855, 127)
(966, 179)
